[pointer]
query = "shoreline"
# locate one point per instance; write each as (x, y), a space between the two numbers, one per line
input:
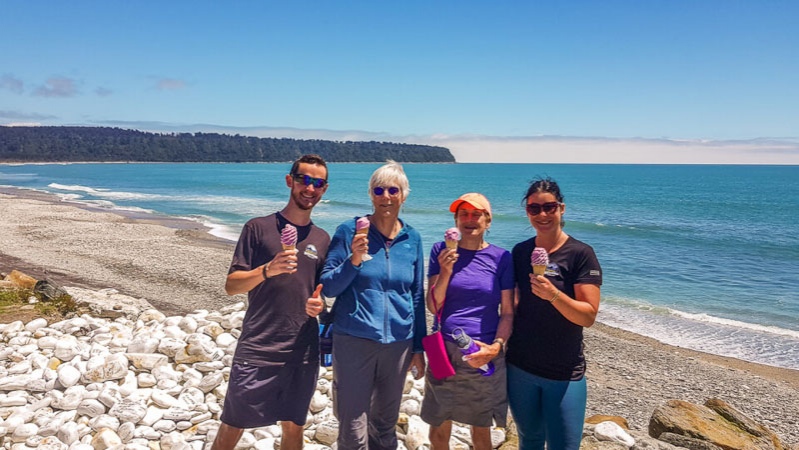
(177, 266)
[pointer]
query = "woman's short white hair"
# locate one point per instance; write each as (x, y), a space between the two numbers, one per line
(390, 174)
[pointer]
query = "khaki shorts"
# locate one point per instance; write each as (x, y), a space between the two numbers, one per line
(467, 397)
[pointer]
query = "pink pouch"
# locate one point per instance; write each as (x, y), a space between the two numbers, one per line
(437, 358)
(435, 349)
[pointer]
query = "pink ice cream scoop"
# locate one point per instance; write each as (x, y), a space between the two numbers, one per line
(451, 237)
(362, 224)
(288, 237)
(539, 259)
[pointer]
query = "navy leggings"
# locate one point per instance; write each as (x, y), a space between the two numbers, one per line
(546, 411)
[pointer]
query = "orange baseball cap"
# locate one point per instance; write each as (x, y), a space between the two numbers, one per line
(478, 201)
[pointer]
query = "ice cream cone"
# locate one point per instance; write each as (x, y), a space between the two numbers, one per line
(539, 259)
(451, 238)
(362, 228)
(288, 237)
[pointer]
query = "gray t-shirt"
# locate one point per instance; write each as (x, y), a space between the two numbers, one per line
(276, 328)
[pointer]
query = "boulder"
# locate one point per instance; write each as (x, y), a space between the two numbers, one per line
(48, 290)
(727, 430)
(599, 418)
(611, 432)
(21, 280)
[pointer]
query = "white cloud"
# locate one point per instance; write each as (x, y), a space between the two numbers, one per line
(11, 83)
(169, 84)
(57, 87)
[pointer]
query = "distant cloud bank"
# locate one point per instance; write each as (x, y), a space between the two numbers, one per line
(564, 149)
(17, 116)
(555, 149)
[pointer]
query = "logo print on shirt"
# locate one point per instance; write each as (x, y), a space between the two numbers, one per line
(552, 270)
(311, 252)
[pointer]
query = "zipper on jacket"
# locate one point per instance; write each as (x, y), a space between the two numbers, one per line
(386, 300)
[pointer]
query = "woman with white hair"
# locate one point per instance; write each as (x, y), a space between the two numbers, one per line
(379, 317)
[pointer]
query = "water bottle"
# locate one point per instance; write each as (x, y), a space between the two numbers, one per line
(468, 346)
(326, 344)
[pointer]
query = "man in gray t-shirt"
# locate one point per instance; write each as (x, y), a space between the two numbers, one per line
(276, 363)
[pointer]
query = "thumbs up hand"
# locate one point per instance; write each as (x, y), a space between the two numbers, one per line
(315, 305)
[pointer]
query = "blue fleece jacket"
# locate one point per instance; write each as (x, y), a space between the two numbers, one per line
(382, 299)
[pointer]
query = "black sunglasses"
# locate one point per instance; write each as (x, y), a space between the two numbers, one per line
(535, 209)
(309, 180)
(379, 190)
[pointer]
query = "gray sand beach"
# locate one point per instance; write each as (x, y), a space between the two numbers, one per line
(178, 267)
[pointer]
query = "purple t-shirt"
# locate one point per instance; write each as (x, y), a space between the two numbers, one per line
(475, 290)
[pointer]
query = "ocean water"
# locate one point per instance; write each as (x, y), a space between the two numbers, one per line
(703, 257)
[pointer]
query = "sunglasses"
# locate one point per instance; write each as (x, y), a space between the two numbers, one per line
(535, 209)
(379, 190)
(308, 180)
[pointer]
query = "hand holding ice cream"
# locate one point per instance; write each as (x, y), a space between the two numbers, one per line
(360, 241)
(448, 255)
(285, 261)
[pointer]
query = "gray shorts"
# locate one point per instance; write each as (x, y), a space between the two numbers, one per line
(258, 396)
(467, 397)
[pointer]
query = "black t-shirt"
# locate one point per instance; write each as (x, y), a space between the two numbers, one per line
(276, 328)
(544, 342)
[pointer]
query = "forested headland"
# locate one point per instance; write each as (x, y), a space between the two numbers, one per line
(79, 144)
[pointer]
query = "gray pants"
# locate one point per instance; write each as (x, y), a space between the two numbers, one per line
(368, 378)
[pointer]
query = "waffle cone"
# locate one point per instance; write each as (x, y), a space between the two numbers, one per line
(289, 247)
(539, 269)
(451, 244)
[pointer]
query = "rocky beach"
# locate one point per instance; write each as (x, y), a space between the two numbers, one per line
(179, 269)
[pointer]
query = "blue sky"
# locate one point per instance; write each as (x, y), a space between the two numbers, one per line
(430, 72)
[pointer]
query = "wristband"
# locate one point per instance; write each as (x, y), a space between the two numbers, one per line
(501, 343)
(554, 297)
(263, 272)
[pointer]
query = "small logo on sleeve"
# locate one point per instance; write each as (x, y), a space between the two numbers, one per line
(594, 273)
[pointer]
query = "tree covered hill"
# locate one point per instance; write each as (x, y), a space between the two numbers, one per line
(72, 144)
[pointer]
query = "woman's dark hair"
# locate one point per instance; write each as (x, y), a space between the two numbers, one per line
(543, 185)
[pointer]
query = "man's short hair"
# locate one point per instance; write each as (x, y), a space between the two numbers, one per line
(308, 159)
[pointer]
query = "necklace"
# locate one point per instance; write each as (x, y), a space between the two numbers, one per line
(559, 241)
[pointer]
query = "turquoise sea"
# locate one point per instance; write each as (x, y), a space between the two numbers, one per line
(704, 257)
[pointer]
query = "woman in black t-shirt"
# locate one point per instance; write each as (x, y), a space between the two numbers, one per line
(546, 366)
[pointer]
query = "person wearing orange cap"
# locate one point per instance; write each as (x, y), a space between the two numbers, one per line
(474, 284)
